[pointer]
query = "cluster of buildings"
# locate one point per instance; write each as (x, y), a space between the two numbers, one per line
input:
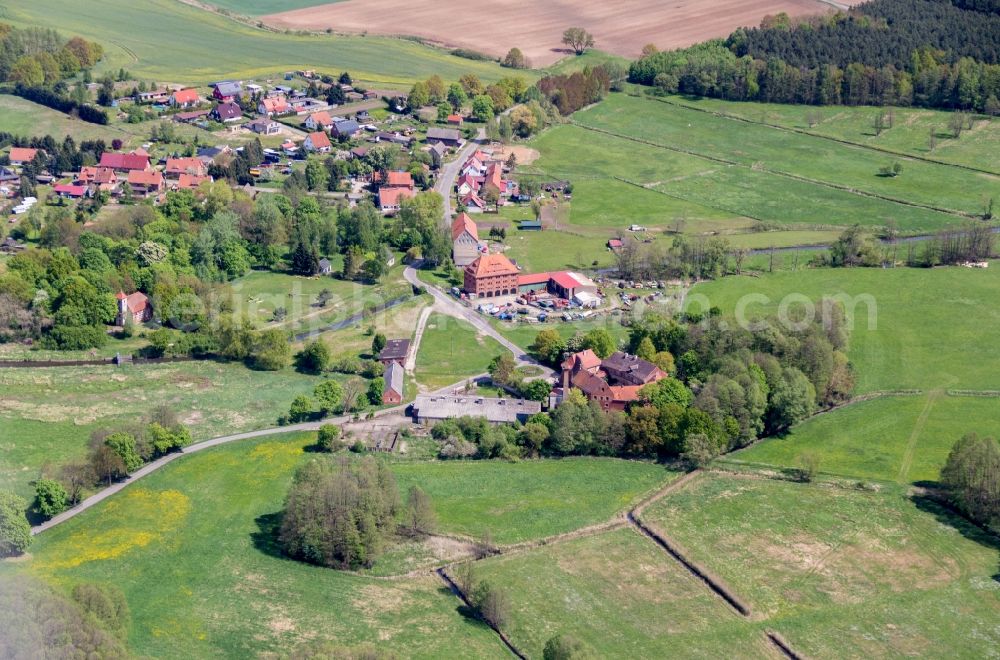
(135, 169)
(613, 382)
(481, 183)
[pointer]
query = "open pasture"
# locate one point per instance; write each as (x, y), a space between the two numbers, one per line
(621, 596)
(841, 572)
(536, 28)
(169, 41)
(451, 350)
(912, 328)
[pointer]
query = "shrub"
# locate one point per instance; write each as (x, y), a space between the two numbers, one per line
(328, 438)
(50, 497)
(15, 531)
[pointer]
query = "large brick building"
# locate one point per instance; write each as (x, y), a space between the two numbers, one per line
(613, 382)
(491, 275)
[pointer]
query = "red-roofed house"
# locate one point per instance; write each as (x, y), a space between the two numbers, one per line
(145, 183)
(455, 120)
(389, 198)
(125, 162)
(473, 203)
(319, 121)
(613, 382)
(103, 178)
(395, 179)
(185, 98)
(21, 155)
(69, 190)
(615, 244)
(189, 181)
(467, 183)
(465, 246)
(318, 142)
(178, 166)
(275, 105)
(491, 275)
(135, 305)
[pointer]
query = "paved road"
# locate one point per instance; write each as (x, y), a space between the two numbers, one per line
(449, 173)
(446, 304)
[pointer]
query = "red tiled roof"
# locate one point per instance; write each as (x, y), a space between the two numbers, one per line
(463, 223)
(137, 301)
(490, 265)
(124, 161)
(319, 140)
(185, 96)
(585, 360)
(322, 118)
(22, 154)
(399, 179)
(91, 174)
(185, 165)
(69, 189)
(565, 280)
(391, 196)
(473, 198)
(141, 178)
(277, 105)
(534, 278)
(191, 181)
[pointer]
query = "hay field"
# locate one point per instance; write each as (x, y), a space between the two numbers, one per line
(536, 28)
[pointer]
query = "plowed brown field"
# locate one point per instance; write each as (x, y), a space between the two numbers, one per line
(622, 27)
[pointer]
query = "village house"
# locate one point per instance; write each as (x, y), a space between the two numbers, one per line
(614, 382)
(264, 127)
(454, 120)
(185, 98)
(177, 166)
(190, 181)
(325, 267)
(157, 96)
(190, 117)
(473, 203)
(465, 245)
(319, 121)
(69, 190)
(227, 91)
(227, 112)
(318, 142)
(398, 179)
(146, 183)
(102, 179)
(429, 408)
(125, 162)
(20, 156)
(345, 128)
(491, 275)
(390, 199)
(135, 306)
(396, 350)
(275, 105)
(450, 137)
(392, 392)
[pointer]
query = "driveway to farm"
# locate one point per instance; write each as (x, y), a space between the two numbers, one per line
(445, 304)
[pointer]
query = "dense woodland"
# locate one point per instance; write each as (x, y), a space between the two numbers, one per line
(37, 56)
(925, 53)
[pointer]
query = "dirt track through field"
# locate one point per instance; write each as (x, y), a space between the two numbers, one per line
(621, 27)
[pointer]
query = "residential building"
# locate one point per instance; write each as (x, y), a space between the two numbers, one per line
(491, 275)
(451, 137)
(146, 183)
(319, 121)
(396, 350)
(227, 112)
(190, 181)
(473, 203)
(275, 105)
(100, 178)
(125, 162)
(136, 306)
(465, 245)
(428, 408)
(390, 199)
(185, 98)
(69, 190)
(345, 128)
(264, 127)
(454, 120)
(21, 155)
(191, 117)
(227, 91)
(392, 392)
(397, 179)
(614, 382)
(178, 166)
(318, 142)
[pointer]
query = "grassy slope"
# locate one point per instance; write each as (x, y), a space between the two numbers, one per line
(48, 414)
(202, 582)
(909, 134)
(262, 7)
(452, 350)
(519, 501)
(843, 573)
(168, 41)
(933, 327)
(622, 596)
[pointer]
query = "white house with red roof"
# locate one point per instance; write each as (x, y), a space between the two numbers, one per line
(275, 105)
(319, 121)
(318, 142)
(177, 166)
(21, 155)
(136, 306)
(465, 244)
(390, 198)
(185, 98)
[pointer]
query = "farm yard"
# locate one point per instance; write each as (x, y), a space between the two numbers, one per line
(621, 28)
(203, 46)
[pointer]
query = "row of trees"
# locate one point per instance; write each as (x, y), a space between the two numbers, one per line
(971, 476)
(858, 247)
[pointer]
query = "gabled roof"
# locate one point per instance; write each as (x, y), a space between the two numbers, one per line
(463, 223)
(142, 178)
(399, 179)
(229, 88)
(228, 110)
(392, 196)
(191, 181)
(491, 265)
(395, 349)
(471, 198)
(319, 140)
(450, 134)
(394, 377)
(586, 360)
(346, 127)
(22, 154)
(69, 189)
(638, 368)
(189, 95)
(135, 302)
(93, 174)
(185, 165)
(321, 118)
(124, 161)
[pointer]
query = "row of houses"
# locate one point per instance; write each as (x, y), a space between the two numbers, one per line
(134, 168)
(481, 178)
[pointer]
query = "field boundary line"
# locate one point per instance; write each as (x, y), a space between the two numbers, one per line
(800, 131)
(782, 645)
(455, 589)
(918, 428)
(787, 175)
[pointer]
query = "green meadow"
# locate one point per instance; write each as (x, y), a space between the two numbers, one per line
(451, 350)
(169, 41)
(842, 572)
(263, 7)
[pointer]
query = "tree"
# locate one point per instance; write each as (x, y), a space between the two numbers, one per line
(328, 395)
(646, 350)
(316, 175)
(471, 84)
(699, 450)
(601, 342)
(502, 368)
(301, 408)
(457, 96)
(314, 358)
(50, 497)
(328, 438)
(564, 647)
(123, 444)
(15, 531)
(107, 604)
(649, 49)
(536, 390)
(376, 388)
(548, 346)
(482, 108)
(419, 518)
(514, 59)
(378, 343)
(972, 477)
(271, 350)
(578, 39)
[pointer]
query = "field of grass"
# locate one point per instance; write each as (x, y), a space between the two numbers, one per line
(48, 414)
(452, 350)
(517, 502)
(772, 150)
(933, 328)
(262, 7)
(620, 595)
(910, 133)
(168, 41)
(843, 572)
(577, 251)
(901, 438)
(191, 548)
